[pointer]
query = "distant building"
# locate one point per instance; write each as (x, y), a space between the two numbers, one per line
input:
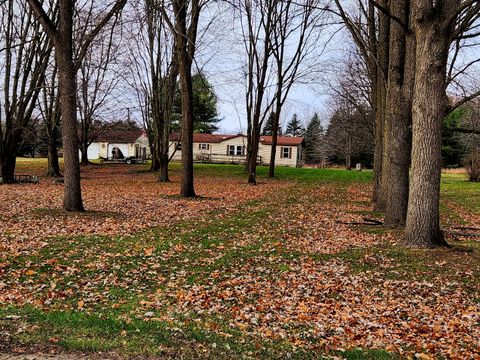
(232, 149)
(119, 144)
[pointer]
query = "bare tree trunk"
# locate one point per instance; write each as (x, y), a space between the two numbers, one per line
(156, 153)
(273, 153)
(257, 77)
(285, 16)
(399, 109)
(163, 177)
(371, 40)
(249, 146)
(52, 155)
(67, 91)
(8, 169)
(169, 96)
(187, 187)
(25, 54)
(62, 38)
(50, 110)
(84, 153)
(378, 197)
(162, 155)
(164, 159)
(433, 31)
(185, 71)
(380, 165)
(155, 166)
(9, 158)
(252, 160)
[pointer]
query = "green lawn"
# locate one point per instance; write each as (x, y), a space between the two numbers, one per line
(128, 294)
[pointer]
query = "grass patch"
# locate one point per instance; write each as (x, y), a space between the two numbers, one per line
(359, 354)
(119, 277)
(465, 194)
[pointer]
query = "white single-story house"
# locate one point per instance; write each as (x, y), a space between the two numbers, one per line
(120, 144)
(232, 149)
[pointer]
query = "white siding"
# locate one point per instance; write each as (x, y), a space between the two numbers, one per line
(264, 151)
(215, 148)
(124, 148)
(93, 151)
(142, 143)
(102, 152)
(221, 150)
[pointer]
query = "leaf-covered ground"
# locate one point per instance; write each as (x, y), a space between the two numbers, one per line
(272, 271)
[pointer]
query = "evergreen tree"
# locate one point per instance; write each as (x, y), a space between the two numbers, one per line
(452, 150)
(294, 127)
(349, 137)
(204, 107)
(313, 138)
(268, 127)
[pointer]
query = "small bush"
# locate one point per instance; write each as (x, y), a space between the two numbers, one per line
(473, 165)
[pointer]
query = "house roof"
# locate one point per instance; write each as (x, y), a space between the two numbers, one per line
(206, 138)
(120, 136)
(282, 140)
(218, 138)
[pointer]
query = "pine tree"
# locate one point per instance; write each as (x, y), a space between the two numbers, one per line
(313, 137)
(268, 127)
(294, 127)
(206, 117)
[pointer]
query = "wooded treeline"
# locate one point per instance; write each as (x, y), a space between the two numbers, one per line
(62, 59)
(406, 46)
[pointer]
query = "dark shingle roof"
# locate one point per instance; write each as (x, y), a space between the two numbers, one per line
(206, 138)
(218, 138)
(120, 136)
(282, 140)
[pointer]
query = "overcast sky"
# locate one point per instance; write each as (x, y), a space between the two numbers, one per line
(221, 56)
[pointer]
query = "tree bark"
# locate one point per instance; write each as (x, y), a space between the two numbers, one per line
(163, 177)
(9, 159)
(155, 166)
(273, 153)
(252, 160)
(84, 153)
(68, 108)
(185, 71)
(187, 186)
(25, 56)
(432, 31)
(380, 71)
(9, 156)
(52, 155)
(249, 145)
(378, 196)
(169, 96)
(398, 114)
(8, 169)
(62, 39)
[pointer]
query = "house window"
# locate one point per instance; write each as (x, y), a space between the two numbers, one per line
(104, 146)
(178, 146)
(204, 146)
(286, 153)
(235, 150)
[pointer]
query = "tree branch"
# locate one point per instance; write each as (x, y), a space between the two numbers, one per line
(47, 24)
(117, 8)
(463, 101)
(465, 131)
